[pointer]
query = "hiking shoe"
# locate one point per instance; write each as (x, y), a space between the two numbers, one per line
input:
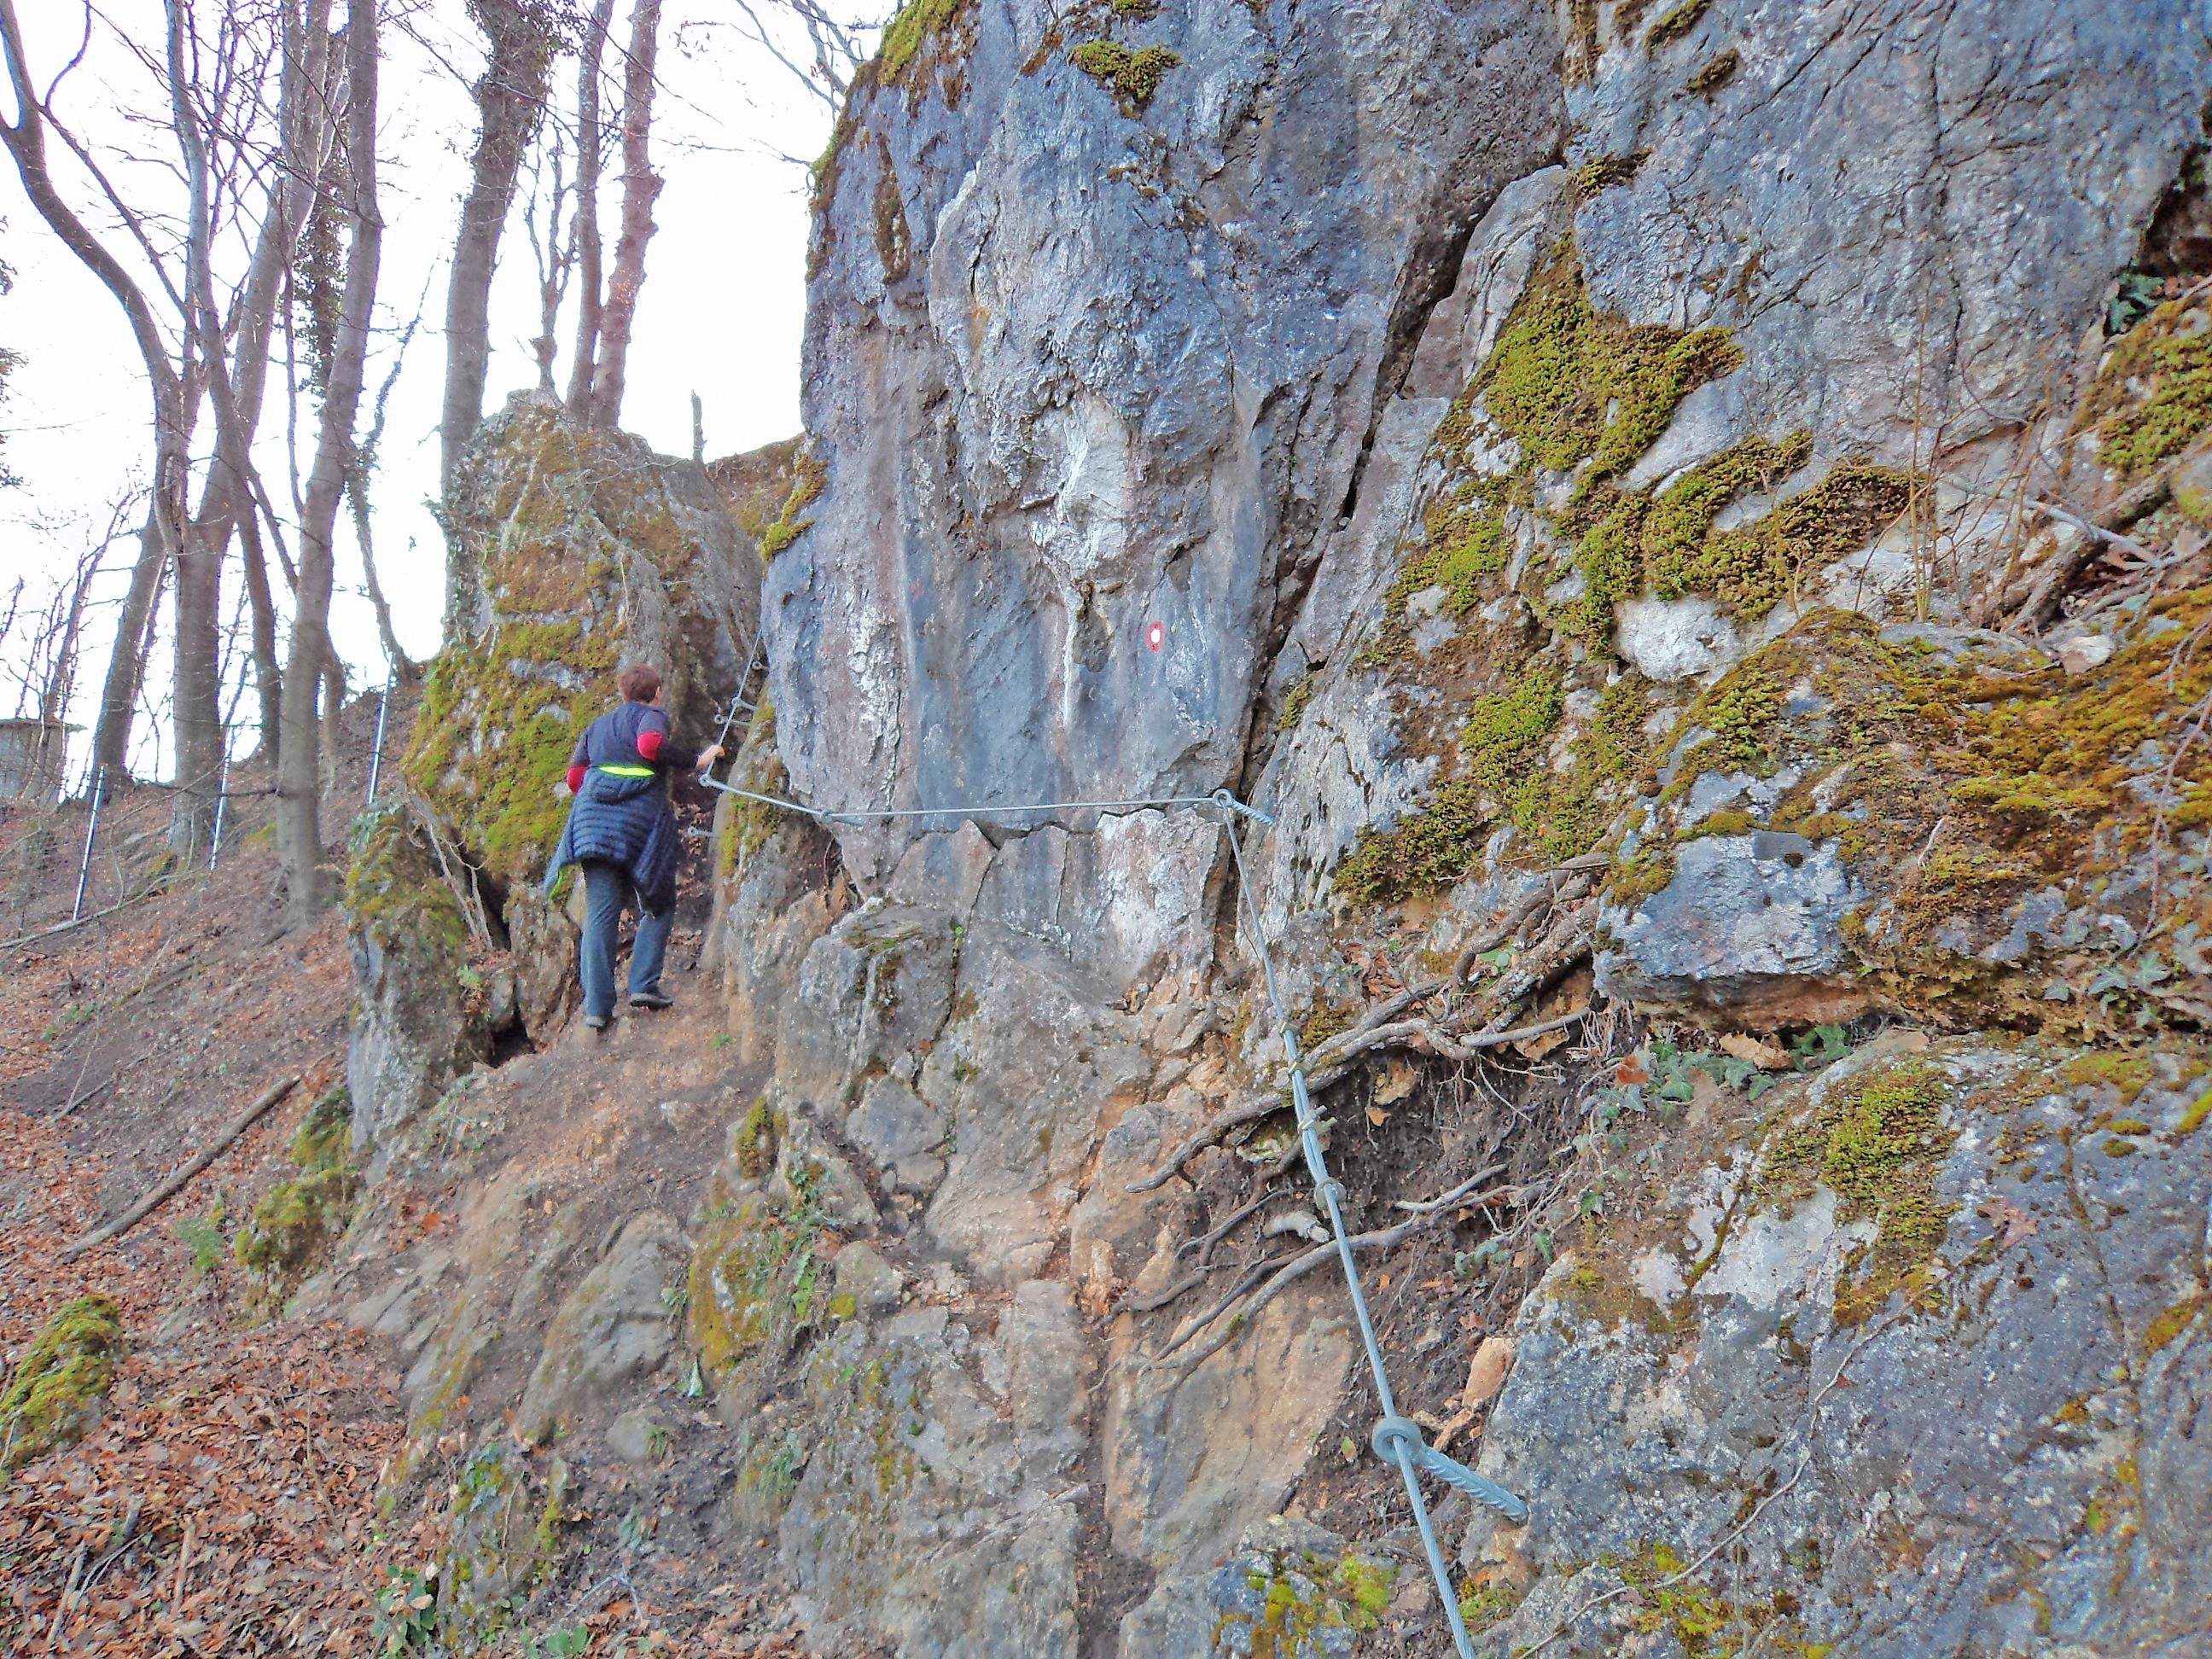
(595, 1022)
(650, 999)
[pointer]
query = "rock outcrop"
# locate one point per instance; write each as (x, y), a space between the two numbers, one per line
(1674, 516)
(578, 549)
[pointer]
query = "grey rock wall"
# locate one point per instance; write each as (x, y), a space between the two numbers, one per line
(1211, 353)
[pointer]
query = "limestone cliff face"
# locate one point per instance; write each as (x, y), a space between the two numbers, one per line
(1599, 438)
(1691, 522)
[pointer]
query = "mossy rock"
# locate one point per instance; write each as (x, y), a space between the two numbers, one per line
(2151, 397)
(584, 550)
(759, 1277)
(395, 893)
(292, 1223)
(504, 1532)
(54, 1393)
(1293, 1591)
(2008, 844)
(1498, 634)
(421, 1022)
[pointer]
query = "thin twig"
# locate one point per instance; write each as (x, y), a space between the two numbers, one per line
(160, 1194)
(1382, 1238)
(1207, 1241)
(1430, 1206)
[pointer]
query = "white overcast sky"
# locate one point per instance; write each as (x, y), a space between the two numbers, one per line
(720, 314)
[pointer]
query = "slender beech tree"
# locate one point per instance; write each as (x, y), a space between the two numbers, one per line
(640, 189)
(298, 823)
(520, 39)
(590, 255)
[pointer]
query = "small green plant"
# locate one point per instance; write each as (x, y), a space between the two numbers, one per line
(781, 1477)
(1821, 1046)
(202, 1236)
(635, 1532)
(674, 1298)
(563, 1643)
(659, 1440)
(407, 1612)
(2136, 297)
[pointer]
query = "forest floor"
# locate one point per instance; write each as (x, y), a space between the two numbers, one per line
(233, 1494)
(223, 1502)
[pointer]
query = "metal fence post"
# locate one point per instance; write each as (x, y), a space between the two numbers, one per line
(376, 752)
(91, 829)
(222, 801)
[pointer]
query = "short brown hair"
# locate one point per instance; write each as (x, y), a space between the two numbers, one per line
(639, 683)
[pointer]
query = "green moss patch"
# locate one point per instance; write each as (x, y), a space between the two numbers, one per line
(1878, 1143)
(1674, 25)
(1464, 544)
(758, 1276)
(1134, 76)
(2153, 396)
(918, 22)
(1755, 569)
(1306, 1594)
(1571, 385)
(53, 1393)
(1956, 780)
(1716, 73)
(1604, 173)
(808, 477)
(392, 891)
(294, 1219)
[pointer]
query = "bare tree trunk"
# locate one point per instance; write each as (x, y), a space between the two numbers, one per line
(59, 683)
(25, 141)
(199, 549)
(362, 467)
(267, 675)
(640, 186)
(334, 696)
(299, 825)
(510, 95)
(590, 143)
(126, 661)
(404, 668)
(303, 98)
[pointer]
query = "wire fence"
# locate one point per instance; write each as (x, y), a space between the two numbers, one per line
(90, 850)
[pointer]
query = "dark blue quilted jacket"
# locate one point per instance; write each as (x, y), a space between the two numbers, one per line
(625, 821)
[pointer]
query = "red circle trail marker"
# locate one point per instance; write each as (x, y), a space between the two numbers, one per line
(1156, 636)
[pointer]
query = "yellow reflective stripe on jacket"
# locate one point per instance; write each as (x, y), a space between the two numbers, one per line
(628, 771)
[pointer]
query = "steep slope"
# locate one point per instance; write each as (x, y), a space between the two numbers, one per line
(1689, 523)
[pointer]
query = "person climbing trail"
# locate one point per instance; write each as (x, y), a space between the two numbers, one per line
(622, 830)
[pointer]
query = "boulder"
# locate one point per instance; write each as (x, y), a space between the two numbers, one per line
(579, 550)
(617, 1326)
(1760, 1374)
(421, 1022)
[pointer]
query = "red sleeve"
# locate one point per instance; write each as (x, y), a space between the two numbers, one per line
(649, 742)
(576, 777)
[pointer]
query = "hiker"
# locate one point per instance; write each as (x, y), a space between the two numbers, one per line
(622, 830)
